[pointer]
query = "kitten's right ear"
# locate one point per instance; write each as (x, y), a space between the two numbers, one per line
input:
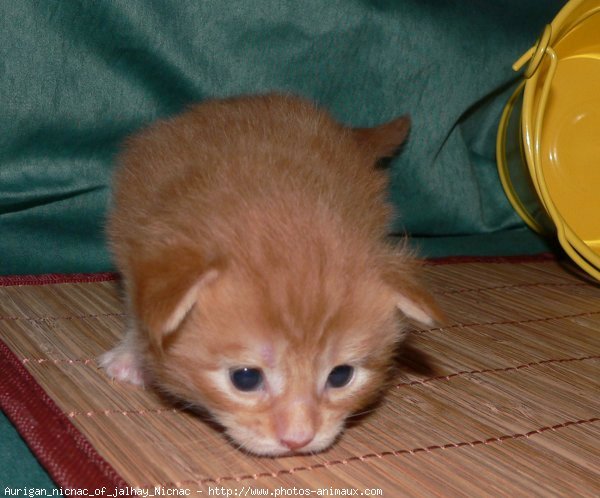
(411, 297)
(165, 289)
(418, 305)
(383, 140)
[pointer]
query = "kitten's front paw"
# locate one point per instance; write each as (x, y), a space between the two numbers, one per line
(122, 365)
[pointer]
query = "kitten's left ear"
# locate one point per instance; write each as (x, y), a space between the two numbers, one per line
(383, 140)
(166, 287)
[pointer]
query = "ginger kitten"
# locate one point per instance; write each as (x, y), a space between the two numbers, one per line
(250, 236)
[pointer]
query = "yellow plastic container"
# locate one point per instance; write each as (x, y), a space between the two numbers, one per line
(549, 155)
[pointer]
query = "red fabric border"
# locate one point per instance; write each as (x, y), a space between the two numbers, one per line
(63, 451)
(56, 278)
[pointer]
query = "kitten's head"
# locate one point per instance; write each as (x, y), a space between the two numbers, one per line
(281, 359)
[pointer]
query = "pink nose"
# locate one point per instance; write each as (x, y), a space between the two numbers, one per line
(296, 444)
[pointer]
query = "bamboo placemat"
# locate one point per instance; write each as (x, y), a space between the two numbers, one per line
(507, 402)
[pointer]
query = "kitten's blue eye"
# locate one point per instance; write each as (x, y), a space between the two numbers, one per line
(340, 376)
(246, 379)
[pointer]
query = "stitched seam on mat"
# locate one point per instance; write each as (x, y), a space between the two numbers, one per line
(513, 286)
(507, 322)
(380, 455)
(495, 370)
(92, 413)
(417, 331)
(160, 411)
(40, 361)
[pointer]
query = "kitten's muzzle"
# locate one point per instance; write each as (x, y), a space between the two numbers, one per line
(296, 423)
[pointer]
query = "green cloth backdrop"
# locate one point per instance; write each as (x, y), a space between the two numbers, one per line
(78, 76)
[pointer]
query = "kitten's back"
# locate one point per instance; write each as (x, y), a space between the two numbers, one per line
(225, 168)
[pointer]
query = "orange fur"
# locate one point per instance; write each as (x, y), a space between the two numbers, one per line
(250, 233)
